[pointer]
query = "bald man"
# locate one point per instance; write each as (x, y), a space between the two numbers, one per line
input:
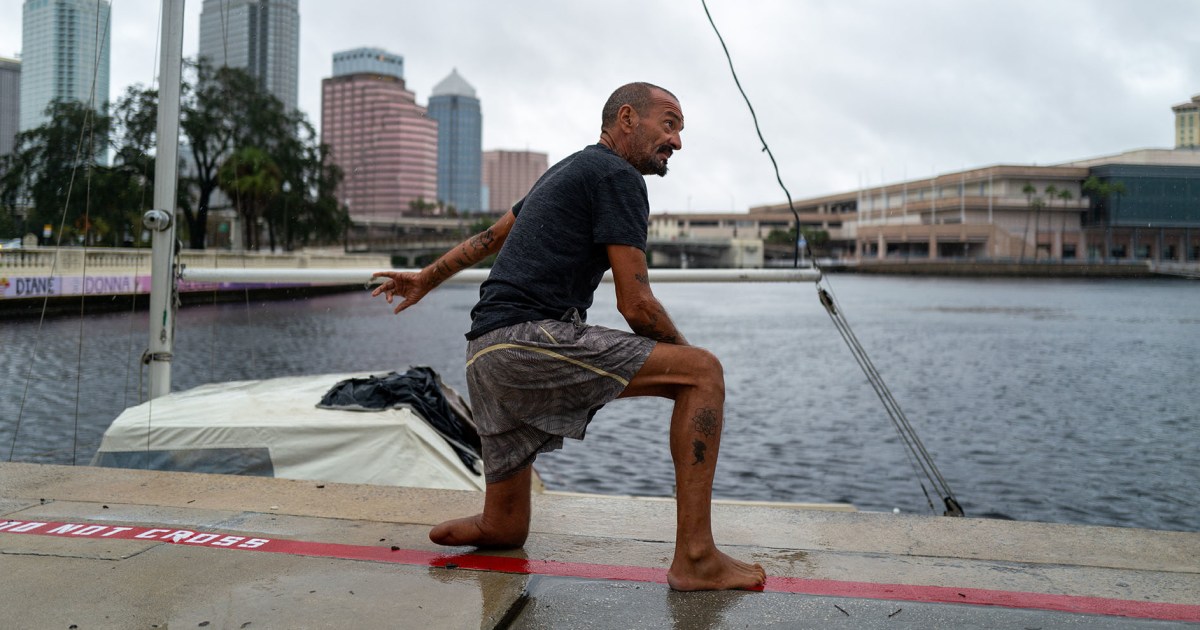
(538, 373)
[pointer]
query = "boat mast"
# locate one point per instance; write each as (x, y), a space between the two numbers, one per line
(161, 219)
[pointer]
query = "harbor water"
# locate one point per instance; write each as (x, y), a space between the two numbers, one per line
(1070, 401)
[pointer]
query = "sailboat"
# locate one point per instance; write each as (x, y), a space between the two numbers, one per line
(274, 427)
(270, 427)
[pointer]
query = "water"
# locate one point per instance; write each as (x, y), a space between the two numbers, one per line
(1069, 401)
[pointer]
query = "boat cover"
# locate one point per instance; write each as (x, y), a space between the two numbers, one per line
(419, 388)
(273, 427)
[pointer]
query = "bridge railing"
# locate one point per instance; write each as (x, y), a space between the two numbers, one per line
(41, 272)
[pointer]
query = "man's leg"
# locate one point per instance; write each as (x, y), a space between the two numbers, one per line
(693, 378)
(504, 523)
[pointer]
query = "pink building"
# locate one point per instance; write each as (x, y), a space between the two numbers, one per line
(508, 176)
(382, 140)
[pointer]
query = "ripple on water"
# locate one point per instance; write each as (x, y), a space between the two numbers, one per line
(1061, 401)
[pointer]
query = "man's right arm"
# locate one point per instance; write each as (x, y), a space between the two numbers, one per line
(413, 286)
(635, 301)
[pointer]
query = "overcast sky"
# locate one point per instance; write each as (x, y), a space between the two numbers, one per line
(847, 92)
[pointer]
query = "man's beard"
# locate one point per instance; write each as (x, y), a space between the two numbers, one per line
(651, 165)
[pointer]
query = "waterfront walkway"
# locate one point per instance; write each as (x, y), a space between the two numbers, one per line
(87, 548)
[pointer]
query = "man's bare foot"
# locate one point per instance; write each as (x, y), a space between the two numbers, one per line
(714, 571)
(474, 531)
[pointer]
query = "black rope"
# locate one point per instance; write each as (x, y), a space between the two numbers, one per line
(918, 457)
(766, 149)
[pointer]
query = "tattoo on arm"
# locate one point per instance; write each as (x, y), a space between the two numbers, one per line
(483, 241)
(654, 328)
(642, 278)
(698, 448)
(441, 271)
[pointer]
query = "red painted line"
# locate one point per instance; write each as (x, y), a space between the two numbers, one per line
(506, 564)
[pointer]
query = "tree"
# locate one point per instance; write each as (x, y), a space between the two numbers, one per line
(308, 210)
(420, 208)
(252, 180)
(1100, 192)
(1051, 192)
(223, 110)
(54, 178)
(1029, 192)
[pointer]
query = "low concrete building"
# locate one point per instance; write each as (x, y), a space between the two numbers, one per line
(1138, 205)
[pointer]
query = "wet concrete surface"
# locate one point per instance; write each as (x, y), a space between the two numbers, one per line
(60, 581)
(552, 603)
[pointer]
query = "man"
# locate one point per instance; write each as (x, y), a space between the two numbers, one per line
(537, 373)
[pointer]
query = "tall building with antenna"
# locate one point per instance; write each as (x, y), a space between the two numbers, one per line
(259, 36)
(64, 56)
(455, 107)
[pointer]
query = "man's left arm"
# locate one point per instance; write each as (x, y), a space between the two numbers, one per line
(635, 301)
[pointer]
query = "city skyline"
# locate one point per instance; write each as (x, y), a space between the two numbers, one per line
(846, 95)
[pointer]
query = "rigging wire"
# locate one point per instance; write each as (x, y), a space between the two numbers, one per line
(88, 124)
(102, 32)
(766, 149)
(915, 451)
(137, 264)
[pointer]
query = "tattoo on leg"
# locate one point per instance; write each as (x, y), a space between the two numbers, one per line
(706, 422)
(698, 449)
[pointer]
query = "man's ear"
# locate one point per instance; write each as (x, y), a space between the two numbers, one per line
(627, 117)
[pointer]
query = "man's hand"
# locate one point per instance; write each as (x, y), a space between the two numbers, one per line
(410, 286)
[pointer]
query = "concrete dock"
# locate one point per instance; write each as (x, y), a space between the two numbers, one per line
(85, 548)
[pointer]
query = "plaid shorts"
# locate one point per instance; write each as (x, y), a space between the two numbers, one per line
(532, 384)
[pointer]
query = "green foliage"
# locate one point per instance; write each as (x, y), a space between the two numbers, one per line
(53, 177)
(251, 180)
(788, 237)
(1102, 192)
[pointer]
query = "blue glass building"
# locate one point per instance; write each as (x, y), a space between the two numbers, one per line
(460, 143)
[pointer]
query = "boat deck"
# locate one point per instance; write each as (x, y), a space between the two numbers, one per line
(103, 548)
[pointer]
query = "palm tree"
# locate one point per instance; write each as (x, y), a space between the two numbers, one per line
(1029, 191)
(251, 179)
(1102, 191)
(1066, 197)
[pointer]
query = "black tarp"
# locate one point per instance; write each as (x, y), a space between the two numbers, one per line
(418, 388)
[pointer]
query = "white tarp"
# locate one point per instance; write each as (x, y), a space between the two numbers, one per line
(392, 447)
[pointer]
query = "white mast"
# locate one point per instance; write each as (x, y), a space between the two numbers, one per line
(161, 219)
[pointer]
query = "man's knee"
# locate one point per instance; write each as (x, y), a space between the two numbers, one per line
(707, 367)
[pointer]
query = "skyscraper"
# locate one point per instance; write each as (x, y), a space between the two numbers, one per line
(10, 103)
(382, 140)
(508, 175)
(259, 36)
(65, 49)
(460, 142)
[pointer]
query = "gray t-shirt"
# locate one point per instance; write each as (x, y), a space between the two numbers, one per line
(554, 256)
